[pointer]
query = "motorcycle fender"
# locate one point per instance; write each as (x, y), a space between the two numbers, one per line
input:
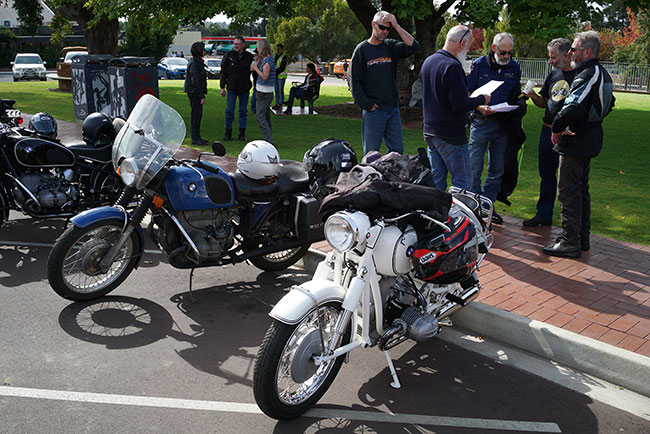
(91, 216)
(302, 299)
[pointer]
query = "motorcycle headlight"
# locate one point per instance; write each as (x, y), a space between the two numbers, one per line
(129, 171)
(345, 230)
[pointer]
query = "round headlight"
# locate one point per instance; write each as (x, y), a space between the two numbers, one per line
(129, 171)
(344, 231)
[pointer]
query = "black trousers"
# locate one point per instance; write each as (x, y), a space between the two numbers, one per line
(195, 117)
(573, 195)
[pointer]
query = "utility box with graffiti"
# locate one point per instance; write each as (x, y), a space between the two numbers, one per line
(90, 85)
(130, 78)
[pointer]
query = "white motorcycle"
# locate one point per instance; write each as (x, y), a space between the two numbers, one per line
(387, 280)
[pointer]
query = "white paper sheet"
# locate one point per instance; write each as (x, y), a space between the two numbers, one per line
(486, 89)
(503, 107)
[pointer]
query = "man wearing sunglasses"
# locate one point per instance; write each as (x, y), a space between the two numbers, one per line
(577, 134)
(488, 127)
(373, 80)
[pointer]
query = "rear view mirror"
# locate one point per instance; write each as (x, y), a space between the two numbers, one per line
(218, 148)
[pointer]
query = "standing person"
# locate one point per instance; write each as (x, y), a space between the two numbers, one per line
(253, 93)
(373, 78)
(264, 66)
(577, 134)
(551, 97)
(445, 105)
(307, 89)
(281, 75)
(236, 78)
(487, 127)
(196, 87)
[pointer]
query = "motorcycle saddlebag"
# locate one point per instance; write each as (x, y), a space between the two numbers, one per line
(307, 223)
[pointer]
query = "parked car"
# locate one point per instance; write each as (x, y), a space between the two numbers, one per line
(214, 67)
(28, 65)
(224, 48)
(172, 67)
(70, 54)
(341, 68)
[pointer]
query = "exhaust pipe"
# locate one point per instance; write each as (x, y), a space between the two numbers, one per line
(466, 297)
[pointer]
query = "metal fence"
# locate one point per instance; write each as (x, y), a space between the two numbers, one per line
(625, 76)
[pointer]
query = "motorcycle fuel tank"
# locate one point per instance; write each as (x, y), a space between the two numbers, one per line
(35, 152)
(188, 190)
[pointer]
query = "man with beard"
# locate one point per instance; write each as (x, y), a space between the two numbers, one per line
(551, 97)
(577, 134)
(487, 126)
(373, 78)
(445, 104)
(235, 85)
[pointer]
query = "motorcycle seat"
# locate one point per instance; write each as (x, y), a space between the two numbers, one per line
(291, 177)
(101, 154)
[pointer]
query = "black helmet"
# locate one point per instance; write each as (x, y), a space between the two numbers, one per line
(97, 129)
(324, 161)
(44, 124)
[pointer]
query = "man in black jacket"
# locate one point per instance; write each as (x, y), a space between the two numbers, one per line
(196, 86)
(577, 134)
(236, 78)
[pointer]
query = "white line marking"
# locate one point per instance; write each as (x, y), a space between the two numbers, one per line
(50, 245)
(236, 407)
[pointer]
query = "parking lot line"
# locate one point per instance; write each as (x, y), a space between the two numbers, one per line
(237, 407)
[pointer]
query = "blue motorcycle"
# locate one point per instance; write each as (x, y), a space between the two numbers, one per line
(201, 216)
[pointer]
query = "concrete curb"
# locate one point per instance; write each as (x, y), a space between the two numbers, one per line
(604, 361)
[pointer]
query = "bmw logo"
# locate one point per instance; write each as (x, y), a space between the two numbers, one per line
(192, 187)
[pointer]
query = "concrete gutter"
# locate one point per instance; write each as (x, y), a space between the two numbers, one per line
(604, 361)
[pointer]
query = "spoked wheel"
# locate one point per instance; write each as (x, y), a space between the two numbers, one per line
(279, 260)
(287, 381)
(73, 265)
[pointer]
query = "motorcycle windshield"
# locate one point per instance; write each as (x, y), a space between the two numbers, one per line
(151, 136)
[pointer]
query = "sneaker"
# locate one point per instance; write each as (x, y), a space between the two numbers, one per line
(496, 218)
(535, 221)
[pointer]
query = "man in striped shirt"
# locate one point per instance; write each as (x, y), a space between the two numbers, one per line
(577, 134)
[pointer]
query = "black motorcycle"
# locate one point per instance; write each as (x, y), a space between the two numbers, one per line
(43, 178)
(266, 212)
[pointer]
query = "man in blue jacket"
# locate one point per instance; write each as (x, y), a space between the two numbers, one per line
(487, 126)
(445, 105)
(577, 134)
(373, 79)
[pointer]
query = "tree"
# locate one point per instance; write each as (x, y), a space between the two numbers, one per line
(30, 15)
(148, 35)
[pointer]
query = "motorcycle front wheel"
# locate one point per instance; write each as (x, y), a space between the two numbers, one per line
(73, 265)
(286, 381)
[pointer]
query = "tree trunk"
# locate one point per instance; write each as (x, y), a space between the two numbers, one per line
(102, 37)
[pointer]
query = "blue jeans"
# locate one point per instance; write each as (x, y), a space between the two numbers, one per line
(231, 100)
(382, 124)
(547, 164)
(444, 157)
(482, 133)
(279, 90)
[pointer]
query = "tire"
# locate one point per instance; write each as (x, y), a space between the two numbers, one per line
(285, 384)
(279, 260)
(71, 265)
(169, 75)
(111, 187)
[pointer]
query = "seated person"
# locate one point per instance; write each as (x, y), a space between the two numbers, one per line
(308, 89)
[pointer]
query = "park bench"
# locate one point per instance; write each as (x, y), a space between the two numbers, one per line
(309, 100)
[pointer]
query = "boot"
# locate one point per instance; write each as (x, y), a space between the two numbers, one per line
(242, 134)
(228, 134)
(287, 111)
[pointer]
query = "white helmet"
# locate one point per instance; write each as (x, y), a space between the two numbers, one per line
(258, 160)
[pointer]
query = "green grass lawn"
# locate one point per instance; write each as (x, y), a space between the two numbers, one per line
(619, 181)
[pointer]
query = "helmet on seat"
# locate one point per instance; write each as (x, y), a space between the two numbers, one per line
(44, 124)
(97, 129)
(258, 160)
(324, 161)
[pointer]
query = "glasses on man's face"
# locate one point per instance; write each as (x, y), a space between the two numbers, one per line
(464, 34)
(384, 28)
(505, 53)
(574, 49)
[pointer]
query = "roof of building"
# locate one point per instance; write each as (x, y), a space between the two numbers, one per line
(9, 17)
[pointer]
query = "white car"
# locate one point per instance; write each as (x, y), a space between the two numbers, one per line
(214, 67)
(28, 65)
(70, 54)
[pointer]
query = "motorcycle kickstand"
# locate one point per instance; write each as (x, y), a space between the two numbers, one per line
(191, 293)
(395, 384)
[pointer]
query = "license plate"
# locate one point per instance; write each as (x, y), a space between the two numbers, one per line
(13, 113)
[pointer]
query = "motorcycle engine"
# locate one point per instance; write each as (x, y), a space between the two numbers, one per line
(51, 190)
(212, 231)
